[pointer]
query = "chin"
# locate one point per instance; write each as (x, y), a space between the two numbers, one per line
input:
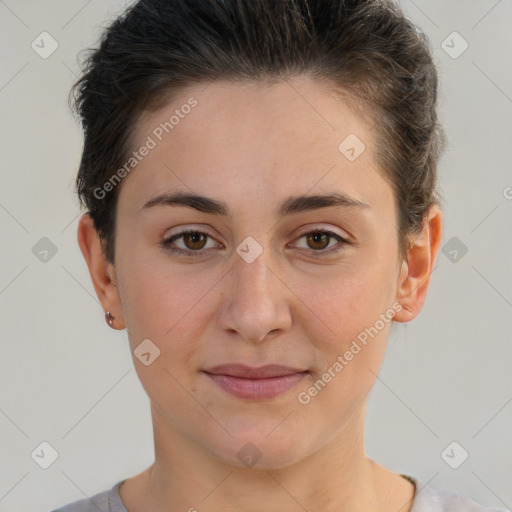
(259, 445)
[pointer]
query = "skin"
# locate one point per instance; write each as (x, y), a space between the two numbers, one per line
(252, 146)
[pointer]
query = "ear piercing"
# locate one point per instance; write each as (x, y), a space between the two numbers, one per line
(109, 319)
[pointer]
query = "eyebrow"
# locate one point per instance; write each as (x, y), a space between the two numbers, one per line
(293, 204)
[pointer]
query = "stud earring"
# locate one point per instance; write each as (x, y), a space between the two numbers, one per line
(109, 319)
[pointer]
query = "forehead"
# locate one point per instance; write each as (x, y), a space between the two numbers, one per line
(302, 107)
(255, 139)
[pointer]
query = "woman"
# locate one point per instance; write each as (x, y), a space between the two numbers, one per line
(260, 185)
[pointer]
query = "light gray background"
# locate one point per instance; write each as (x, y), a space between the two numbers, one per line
(69, 380)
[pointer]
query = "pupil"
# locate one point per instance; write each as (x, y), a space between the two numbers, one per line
(316, 239)
(195, 238)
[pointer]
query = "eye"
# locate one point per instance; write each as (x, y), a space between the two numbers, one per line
(319, 241)
(194, 243)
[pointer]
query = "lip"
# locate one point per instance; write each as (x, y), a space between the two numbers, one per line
(259, 383)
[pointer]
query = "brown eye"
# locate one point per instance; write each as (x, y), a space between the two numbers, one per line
(318, 240)
(321, 243)
(189, 243)
(194, 240)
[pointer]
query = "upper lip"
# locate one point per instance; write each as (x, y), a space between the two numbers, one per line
(248, 372)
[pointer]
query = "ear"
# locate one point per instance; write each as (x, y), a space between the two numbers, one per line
(102, 272)
(417, 268)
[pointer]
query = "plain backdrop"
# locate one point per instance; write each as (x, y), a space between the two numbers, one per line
(68, 380)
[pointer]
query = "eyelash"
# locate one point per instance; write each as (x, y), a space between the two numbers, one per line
(316, 253)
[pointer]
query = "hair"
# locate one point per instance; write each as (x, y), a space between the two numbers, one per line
(366, 50)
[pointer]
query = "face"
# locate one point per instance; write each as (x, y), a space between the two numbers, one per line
(266, 278)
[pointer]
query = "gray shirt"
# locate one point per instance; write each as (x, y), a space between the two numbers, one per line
(426, 499)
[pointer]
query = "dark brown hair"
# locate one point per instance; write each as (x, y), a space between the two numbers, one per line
(366, 49)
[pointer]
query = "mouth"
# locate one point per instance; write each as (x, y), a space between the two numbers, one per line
(255, 383)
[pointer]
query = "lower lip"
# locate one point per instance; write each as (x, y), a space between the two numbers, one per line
(257, 389)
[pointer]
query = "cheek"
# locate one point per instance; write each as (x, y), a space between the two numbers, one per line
(345, 301)
(165, 303)
(164, 306)
(350, 318)
(151, 301)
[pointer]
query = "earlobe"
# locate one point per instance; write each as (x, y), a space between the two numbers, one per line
(417, 269)
(101, 271)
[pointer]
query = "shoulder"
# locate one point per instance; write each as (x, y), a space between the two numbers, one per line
(106, 501)
(428, 499)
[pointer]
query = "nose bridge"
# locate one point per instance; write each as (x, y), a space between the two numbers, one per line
(256, 304)
(252, 277)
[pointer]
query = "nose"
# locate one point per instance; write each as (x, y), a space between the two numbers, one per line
(257, 302)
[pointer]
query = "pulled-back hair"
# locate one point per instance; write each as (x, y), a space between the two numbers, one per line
(367, 50)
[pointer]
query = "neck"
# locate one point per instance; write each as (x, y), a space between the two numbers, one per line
(337, 477)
